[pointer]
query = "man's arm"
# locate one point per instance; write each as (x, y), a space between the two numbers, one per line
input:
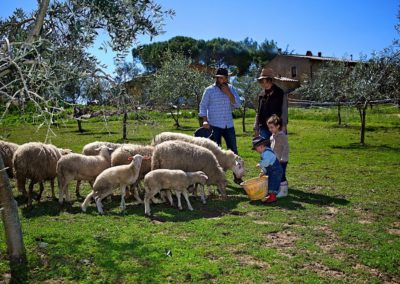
(204, 107)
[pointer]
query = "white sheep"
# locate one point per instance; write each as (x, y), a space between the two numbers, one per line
(91, 149)
(81, 167)
(226, 158)
(189, 157)
(37, 162)
(120, 157)
(7, 150)
(176, 180)
(123, 175)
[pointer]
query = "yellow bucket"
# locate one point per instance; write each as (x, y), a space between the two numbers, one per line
(256, 188)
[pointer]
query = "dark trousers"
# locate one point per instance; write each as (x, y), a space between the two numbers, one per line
(229, 136)
(284, 165)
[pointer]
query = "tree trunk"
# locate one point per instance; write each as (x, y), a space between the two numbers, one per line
(35, 32)
(244, 120)
(363, 112)
(12, 227)
(124, 120)
(339, 115)
(80, 129)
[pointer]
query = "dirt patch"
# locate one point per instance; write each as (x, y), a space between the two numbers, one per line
(330, 213)
(395, 232)
(325, 271)
(388, 279)
(249, 260)
(281, 240)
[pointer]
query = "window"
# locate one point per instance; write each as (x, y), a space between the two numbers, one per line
(294, 71)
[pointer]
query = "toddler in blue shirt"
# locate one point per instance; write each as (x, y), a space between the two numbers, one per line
(269, 166)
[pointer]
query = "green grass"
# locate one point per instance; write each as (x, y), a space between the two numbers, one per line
(340, 222)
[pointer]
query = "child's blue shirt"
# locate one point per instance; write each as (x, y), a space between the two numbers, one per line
(267, 159)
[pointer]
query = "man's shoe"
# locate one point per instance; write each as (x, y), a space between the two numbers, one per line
(270, 198)
(237, 180)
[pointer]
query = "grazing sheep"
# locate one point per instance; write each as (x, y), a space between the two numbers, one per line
(122, 175)
(7, 150)
(37, 162)
(120, 157)
(91, 149)
(81, 167)
(176, 180)
(189, 157)
(226, 158)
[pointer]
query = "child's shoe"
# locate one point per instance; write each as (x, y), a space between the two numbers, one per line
(270, 198)
(283, 189)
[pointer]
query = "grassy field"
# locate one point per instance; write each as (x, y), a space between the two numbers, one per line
(339, 224)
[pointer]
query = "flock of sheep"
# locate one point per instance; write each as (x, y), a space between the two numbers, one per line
(173, 163)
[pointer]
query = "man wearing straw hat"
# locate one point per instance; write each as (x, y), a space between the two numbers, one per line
(270, 101)
(216, 108)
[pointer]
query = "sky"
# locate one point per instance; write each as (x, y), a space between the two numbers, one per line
(337, 28)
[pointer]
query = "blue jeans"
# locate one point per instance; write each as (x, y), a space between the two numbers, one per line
(284, 165)
(274, 173)
(264, 132)
(229, 136)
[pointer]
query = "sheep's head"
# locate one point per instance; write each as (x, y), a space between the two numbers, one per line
(238, 168)
(137, 160)
(65, 151)
(201, 177)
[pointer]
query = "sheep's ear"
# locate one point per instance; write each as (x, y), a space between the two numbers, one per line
(146, 157)
(110, 149)
(97, 149)
(205, 176)
(130, 158)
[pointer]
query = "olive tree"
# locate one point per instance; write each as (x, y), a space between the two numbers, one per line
(41, 53)
(177, 83)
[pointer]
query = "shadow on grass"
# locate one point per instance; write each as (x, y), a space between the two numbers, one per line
(296, 199)
(358, 146)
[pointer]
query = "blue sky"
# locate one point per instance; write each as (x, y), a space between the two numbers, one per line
(336, 28)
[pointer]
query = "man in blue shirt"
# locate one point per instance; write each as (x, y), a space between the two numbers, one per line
(216, 108)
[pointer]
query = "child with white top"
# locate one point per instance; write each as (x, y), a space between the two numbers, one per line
(280, 146)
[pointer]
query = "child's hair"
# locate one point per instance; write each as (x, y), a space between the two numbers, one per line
(275, 120)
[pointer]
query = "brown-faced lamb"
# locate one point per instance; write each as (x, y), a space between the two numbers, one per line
(122, 176)
(81, 167)
(37, 162)
(189, 157)
(91, 149)
(120, 157)
(226, 158)
(177, 180)
(7, 150)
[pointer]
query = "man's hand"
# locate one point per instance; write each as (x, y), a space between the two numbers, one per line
(225, 89)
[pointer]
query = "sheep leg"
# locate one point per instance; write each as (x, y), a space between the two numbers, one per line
(202, 194)
(137, 196)
(78, 185)
(41, 186)
(87, 200)
(99, 205)
(123, 191)
(30, 192)
(169, 197)
(186, 195)
(178, 196)
(53, 195)
(156, 200)
(147, 196)
(21, 186)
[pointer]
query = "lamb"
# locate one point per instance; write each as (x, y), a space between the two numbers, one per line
(122, 175)
(226, 158)
(91, 149)
(188, 157)
(37, 162)
(177, 180)
(120, 157)
(81, 167)
(7, 150)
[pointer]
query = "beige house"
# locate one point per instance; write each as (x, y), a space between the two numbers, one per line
(293, 70)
